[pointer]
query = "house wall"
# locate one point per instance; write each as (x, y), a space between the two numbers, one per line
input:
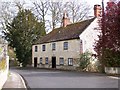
(89, 36)
(72, 52)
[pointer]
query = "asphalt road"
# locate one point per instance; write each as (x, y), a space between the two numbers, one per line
(41, 78)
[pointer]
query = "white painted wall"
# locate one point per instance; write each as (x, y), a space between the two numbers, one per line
(89, 36)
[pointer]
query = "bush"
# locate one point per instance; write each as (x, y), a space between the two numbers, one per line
(84, 60)
(112, 58)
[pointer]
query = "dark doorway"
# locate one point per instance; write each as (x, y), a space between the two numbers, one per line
(53, 62)
(35, 62)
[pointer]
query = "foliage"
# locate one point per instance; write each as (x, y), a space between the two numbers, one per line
(108, 45)
(11, 53)
(84, 60)
(22, 32)
(12, 57)
(1, 50)
(112, 58)
(2, 64)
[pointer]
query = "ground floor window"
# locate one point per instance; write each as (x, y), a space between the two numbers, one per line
(41, 60)
(61, 61)
(70, 61)
(46, 60)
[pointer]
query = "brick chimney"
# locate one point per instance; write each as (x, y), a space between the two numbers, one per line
(66, 20)
(97, 10)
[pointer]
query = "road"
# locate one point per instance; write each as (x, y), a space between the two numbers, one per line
(41, 78)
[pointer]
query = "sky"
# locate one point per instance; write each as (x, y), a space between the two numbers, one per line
(89, 2)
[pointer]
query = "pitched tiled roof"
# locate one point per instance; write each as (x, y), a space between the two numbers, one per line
(71, 31)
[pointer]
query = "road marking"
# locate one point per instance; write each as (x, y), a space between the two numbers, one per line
(114, 77)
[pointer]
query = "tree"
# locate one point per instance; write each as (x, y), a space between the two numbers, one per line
(77, 11)
(56, 11)
(22, 32)
(6, 14)
(41, 8)
(84, 60)
(108, 45)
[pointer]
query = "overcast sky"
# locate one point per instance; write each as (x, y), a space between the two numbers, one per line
(90, 2)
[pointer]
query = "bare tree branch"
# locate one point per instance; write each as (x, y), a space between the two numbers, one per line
(56, 9)
(77, 11)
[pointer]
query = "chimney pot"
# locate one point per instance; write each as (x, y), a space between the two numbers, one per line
(97, 10)
(66, 20)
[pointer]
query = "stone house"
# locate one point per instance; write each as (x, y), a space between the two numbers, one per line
(62, 46)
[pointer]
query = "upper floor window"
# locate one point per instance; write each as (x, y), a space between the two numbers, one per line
(43, 47)
(46, 60)
(61, 61)
(36, 48)
(53, 46)
(65, 45)
(70, 61)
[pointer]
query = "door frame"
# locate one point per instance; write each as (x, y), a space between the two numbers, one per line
(35, 61)
(53, 62)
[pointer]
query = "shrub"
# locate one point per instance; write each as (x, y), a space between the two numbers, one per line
(112, 58)
(84, 60)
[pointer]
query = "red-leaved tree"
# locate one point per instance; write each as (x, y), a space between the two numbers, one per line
(108, 45)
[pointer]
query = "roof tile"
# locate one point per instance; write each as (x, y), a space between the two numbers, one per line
(71, 31)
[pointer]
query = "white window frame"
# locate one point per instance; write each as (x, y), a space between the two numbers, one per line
(36, 48)
(61, 61)
(65, 45)
(40, 60)
(70, 61)
(53, 46)
(43, 47)
(46, 60)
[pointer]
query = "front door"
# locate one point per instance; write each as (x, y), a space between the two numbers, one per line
(53, 62)
(35, 62)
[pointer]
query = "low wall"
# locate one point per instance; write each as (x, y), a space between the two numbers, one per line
(112, 70)
(64, 67)
(4, 74)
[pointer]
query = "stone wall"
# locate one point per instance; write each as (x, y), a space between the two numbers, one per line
(4, 73)
(112, 70)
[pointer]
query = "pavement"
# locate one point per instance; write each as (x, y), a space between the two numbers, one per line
(14, 81)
